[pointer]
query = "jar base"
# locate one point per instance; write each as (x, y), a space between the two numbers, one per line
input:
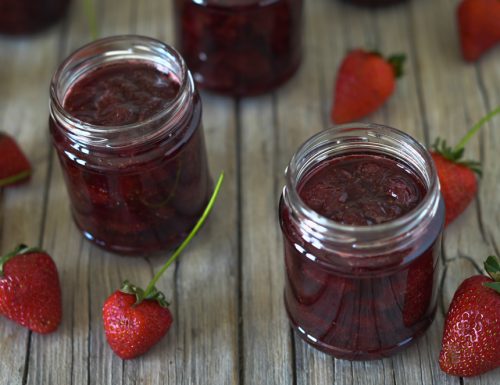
(245, 92)
(369, 355)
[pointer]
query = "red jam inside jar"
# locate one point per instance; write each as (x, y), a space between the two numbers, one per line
(240, 47)
(362, 284)
(19, 17)
(129, 138)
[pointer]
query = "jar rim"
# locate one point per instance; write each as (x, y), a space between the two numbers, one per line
(144, 43)
(319, 224)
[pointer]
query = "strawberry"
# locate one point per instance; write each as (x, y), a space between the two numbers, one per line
(14, 166)
(136, 319)
(132, 329)
(479, 26)
(29, 289)
(457, 176)
(471, 338)
(365, 81)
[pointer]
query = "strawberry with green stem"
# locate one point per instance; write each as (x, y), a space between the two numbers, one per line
(471, 337)
(136, 319)
(365, 81)
(456, 175)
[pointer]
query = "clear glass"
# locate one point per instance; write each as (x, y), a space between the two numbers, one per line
(361, 292)
(240, 47)
(27, 16)
(136, 188)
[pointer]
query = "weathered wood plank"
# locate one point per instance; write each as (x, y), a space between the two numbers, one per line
(440, 95)
(25, 67)
(204, 310)
(453, 102)
(266, 336)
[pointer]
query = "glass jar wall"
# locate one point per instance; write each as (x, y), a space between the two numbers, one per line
(126, 124)
(240, 47)
(361, 216)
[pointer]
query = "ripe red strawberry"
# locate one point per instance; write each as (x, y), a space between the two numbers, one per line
(471, 338)
(479, 26)
(365, 81)
(131, 330)
(135, 319)
(29, 289)
(458, 185)
(456, 176)
(14, 166)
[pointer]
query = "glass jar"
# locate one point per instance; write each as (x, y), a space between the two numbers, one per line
(27, 16)
(125, 119)
(361, 291)
(240, 47)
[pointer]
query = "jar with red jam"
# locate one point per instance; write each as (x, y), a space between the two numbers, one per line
(125, 119)
(28, 16)
(362, 217)
(240, 47)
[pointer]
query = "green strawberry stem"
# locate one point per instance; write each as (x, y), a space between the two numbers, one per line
(492, 267)
(151, 289)
(14, 178)
(461, 145)
(89, 9)
(455, 154)
(21, 249)
(397, 61)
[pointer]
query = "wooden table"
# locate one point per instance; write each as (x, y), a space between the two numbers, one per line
(226, 290)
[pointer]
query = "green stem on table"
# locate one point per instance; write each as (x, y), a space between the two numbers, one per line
(475, 128)
(15, 178)
(89, 9)
(151, 287)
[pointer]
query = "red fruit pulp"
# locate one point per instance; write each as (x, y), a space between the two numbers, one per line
(240, 47)
(145, 197)
(358, 311)
(28, 16)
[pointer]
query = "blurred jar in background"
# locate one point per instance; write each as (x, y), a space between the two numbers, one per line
(18, 17)
(240, 47)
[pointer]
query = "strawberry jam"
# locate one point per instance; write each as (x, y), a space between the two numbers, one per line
(28, 16)
(361, 238)
(240, 47)
(129, 137)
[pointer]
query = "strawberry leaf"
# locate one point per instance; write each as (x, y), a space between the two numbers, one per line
(140, 296)
(492, 267)
(455, 155)
(493, 285)
(397, 61)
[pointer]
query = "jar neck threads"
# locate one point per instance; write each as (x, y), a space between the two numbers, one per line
(112, 50)
(359, 241)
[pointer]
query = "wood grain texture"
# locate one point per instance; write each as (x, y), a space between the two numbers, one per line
(230, 325)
